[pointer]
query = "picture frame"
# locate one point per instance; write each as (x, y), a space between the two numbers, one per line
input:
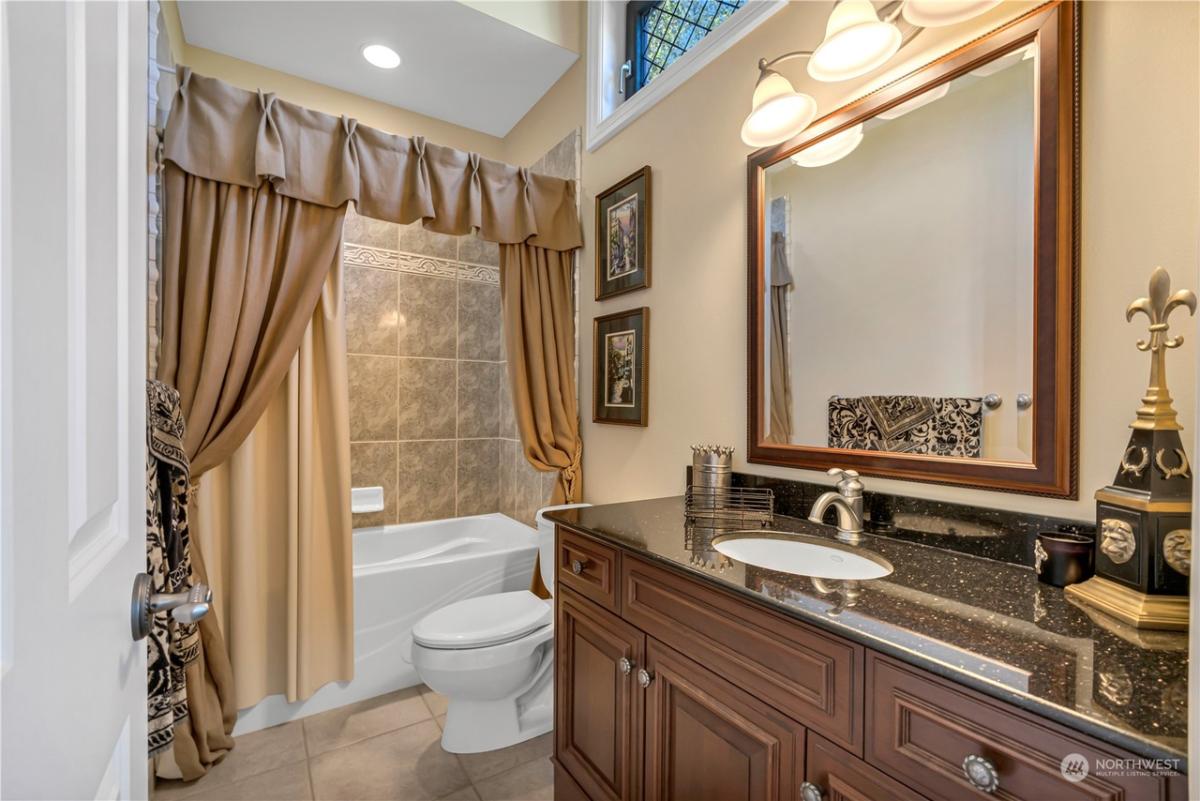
(623, 225)
(621, 368)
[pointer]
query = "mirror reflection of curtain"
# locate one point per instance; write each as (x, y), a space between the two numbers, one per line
(781, 381)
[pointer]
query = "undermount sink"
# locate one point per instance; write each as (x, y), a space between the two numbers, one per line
(801, 555)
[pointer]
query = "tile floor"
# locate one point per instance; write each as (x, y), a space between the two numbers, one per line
(384, 748)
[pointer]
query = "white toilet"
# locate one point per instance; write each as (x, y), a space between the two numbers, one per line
(492, 656)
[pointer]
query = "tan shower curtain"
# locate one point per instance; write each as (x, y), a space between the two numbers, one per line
(286, 593)
(243, 269)
(255, 193)
(537, 296)
(781, 380)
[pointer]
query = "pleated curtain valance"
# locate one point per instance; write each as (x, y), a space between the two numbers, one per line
(234, 136)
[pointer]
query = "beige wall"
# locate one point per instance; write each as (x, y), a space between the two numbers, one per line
(1140, 207)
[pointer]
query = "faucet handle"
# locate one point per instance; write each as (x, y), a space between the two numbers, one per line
(848, 483)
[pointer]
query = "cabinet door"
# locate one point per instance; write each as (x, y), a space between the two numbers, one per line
(598, 704)
(837, 775)
(707, 740)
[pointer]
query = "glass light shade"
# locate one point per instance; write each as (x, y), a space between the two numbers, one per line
(938, 13)
(829, 150)
(856, 42)
(777, 113)
(381, 56)
(923, 99)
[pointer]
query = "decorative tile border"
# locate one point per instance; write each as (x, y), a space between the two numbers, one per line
(382, 258)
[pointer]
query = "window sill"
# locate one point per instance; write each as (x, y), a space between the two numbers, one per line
(606, 26)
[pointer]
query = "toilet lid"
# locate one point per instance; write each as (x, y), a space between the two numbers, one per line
(486, 620)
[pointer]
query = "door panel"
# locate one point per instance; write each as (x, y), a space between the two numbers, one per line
(707, 740)
(598, 727)
(72, 381)
(841, 776)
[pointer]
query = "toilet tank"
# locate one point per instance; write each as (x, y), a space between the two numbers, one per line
(545, 529)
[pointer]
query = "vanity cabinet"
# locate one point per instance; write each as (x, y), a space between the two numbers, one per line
(668, 688)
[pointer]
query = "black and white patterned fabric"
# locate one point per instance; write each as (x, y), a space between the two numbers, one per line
(171, 645)
(907, 424)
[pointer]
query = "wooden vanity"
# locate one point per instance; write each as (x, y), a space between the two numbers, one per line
(669, 687)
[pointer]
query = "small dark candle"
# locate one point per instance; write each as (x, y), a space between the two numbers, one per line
(1062, 557)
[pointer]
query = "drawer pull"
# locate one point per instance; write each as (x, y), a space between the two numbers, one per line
(625, 665)
(811, 792)
(981, 773)
(577, 566)
(645, 677)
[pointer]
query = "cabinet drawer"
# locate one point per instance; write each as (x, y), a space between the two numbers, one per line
(921, 728)
(814, 678)
(588, 567)
(841, 776)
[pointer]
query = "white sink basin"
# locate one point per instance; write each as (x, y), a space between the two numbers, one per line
(801, 555)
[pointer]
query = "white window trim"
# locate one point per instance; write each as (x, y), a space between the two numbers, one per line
(606, 114)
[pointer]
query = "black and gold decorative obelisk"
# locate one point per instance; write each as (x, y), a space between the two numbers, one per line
(1143, 551)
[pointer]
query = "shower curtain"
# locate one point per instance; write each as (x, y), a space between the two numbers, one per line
(256, 190)
(287, 614)
(780, 430)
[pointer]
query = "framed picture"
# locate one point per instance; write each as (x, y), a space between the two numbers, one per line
(620, 368)
(623, 236)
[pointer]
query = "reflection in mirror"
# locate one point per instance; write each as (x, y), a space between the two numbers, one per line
(900, 276)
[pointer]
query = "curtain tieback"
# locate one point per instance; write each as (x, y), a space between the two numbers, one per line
(570, 473)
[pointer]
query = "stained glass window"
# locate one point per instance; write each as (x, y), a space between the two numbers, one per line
(658, 33)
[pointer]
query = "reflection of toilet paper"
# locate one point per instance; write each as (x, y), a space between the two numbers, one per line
(366, 499)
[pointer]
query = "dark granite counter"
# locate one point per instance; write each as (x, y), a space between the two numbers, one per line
(986, 624)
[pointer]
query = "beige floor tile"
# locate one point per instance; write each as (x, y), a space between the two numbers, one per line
(436, 702)
(533, 781)
(405, 764)
(441, 722)
(356, 722)
(289, 783)
(252, 754)
(492, 763)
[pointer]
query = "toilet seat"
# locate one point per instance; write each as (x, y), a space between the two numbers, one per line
(483, 621)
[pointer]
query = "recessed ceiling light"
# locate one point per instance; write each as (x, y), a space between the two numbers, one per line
(381, 56)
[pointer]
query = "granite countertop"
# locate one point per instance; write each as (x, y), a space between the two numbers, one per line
(986, 624)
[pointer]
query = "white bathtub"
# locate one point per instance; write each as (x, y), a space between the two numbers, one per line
(401, 573)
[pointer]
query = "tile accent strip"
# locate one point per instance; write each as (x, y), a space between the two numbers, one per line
(415, 263)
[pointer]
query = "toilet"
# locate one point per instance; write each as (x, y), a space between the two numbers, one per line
(492, 656)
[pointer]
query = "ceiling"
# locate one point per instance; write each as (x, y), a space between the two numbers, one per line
(458, 64)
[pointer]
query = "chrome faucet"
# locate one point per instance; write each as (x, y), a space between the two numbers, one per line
(848, 500)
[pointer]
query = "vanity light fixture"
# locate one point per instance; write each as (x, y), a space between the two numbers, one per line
(777, 112)
(381, 56)
(938, 13)
(858, 39)
(856, 42)
(827, 151)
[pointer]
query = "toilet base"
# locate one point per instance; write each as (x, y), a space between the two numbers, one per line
(476, 726)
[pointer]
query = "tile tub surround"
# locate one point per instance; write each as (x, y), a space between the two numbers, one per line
(998, 534)
(383, 748)
(982, 623)
(425, 370)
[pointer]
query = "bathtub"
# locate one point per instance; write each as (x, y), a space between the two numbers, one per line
(401, 573)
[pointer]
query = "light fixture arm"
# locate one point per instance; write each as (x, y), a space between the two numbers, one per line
(763, 64)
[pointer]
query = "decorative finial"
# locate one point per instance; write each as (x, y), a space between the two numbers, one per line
(1156, 411)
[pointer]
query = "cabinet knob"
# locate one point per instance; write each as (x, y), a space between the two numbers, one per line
(625, 665)
(577, 566)
(811, 792)
(981, 773)
(645, 677)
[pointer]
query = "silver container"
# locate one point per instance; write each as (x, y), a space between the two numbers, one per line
(712, 466)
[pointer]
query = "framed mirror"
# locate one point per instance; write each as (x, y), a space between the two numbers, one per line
(913, 273)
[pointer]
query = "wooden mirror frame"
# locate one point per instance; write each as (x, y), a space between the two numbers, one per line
(1053, 29)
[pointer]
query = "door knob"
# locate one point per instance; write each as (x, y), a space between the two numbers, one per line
(186, 607)
(645, 677)
(625, 665)
(811, 792)
(981, 773)
(577, 566)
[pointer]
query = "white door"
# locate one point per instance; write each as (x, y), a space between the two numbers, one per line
(73, 100)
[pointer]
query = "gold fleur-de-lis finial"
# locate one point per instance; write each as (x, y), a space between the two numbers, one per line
(1156, 411)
